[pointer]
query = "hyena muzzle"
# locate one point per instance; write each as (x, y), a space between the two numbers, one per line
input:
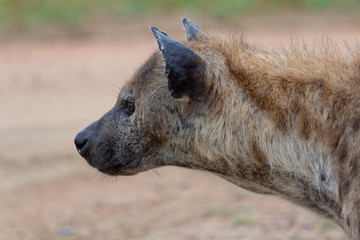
(284, 123)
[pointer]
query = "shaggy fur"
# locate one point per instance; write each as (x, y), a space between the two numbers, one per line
(284, 123)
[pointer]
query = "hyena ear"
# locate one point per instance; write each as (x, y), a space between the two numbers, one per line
(185, 69)
(192, 31)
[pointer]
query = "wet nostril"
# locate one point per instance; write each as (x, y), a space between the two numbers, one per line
(80, 145)
(80, 142)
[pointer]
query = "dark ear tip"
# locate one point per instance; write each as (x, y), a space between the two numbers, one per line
(157, 33)
(187, 23)
(154, 30)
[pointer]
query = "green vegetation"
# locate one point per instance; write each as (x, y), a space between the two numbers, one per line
(222, 212)
(327, 226)
(241, 221)
(30, 13)
(229, 212)
(239, 216)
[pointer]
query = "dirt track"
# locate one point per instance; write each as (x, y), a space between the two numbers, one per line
(49, 90)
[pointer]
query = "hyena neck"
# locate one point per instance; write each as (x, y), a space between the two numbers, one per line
(296, 133)
(273, 162)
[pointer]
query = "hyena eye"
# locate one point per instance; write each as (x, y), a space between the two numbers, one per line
(130, 106)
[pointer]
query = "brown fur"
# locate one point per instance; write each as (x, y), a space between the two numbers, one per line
(284, 123)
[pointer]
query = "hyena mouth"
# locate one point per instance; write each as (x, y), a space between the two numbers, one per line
(115, 169)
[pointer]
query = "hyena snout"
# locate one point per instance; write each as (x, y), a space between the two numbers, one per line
(100, 145)
(83, 140)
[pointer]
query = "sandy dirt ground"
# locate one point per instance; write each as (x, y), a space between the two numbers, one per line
(51, 89)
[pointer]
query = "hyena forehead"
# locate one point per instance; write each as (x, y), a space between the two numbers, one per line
(144, 77)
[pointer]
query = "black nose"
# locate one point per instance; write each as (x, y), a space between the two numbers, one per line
(83, 140)
(80, 142)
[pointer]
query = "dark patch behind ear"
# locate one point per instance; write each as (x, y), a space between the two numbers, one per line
(184, 68)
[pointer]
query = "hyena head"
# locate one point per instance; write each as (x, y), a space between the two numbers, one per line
(161, 112)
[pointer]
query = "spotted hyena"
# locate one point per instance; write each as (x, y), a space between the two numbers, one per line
(285, 123)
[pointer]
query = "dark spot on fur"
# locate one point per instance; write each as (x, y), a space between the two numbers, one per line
(296, 109)
(334, 140)
(185, 123)
(348, 221)
(258, 155)
(305, 128)
(319, 84)
(354, 166)
(322, 177)
(344, 189)
(356, 125)
(281, 123)
(343, 152)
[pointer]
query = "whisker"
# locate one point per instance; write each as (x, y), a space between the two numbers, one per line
(116, 89)
(156, 174)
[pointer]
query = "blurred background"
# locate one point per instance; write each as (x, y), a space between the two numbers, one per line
(62, 64)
